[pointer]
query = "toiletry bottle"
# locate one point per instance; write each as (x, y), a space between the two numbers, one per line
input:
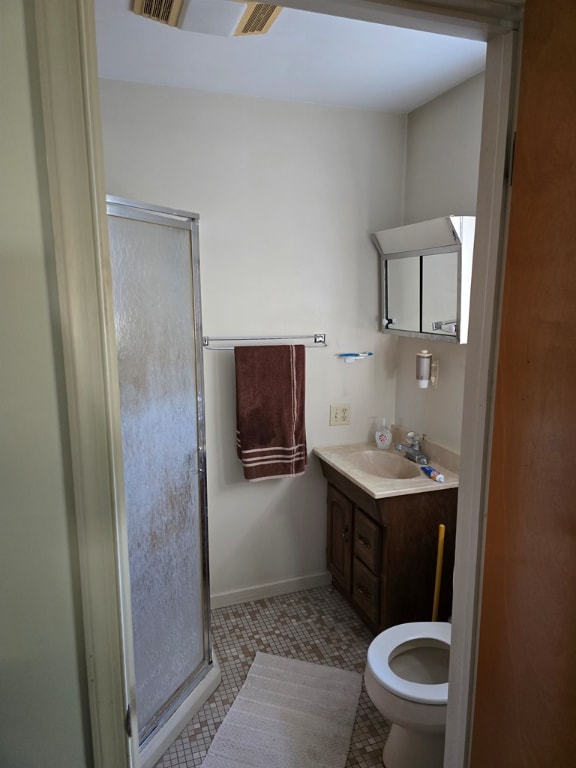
(432, 473)
(383, 436)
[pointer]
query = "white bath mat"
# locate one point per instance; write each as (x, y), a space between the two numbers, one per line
(288, 714)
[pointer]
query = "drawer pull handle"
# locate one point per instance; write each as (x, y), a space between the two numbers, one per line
(344, 531)
(364, 541)
(363, 591)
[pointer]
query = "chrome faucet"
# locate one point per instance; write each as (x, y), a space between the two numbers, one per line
(412, 451)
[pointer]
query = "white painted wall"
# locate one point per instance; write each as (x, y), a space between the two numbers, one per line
(287, 196)
(41, 661)
(443, 153)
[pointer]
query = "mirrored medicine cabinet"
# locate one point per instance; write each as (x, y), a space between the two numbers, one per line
(426, 271)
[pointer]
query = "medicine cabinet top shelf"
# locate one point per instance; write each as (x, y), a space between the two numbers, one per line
(426, 271)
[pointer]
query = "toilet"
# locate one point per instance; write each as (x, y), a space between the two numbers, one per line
(406, 678)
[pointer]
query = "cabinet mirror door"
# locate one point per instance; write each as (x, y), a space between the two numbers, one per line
(440, 293)
(403, 289)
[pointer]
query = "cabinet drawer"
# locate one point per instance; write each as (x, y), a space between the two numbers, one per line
(366, 590)
(367, 540)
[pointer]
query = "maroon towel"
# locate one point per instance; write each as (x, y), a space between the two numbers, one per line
(270, 427)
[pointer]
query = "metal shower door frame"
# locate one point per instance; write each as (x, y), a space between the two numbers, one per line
(170, 217)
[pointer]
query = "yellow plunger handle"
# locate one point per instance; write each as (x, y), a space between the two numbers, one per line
(438, 581)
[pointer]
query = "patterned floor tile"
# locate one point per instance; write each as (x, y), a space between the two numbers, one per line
(315, 625)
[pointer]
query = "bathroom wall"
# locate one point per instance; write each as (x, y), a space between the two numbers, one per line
(443, 153)
(41, 659)
(287, 196)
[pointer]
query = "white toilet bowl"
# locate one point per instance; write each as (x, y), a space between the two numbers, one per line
(406, 678)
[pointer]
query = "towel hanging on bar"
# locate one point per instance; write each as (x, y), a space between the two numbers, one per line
(270, 418)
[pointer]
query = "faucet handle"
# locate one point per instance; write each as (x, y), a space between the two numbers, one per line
(414, 439)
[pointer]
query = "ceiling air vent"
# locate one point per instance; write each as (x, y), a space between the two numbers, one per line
(164, 11)
(211, 17)
(257, 19)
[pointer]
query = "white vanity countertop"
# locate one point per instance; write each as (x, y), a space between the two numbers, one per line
(338, 457)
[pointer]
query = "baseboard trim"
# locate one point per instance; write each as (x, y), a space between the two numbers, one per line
(271, 589)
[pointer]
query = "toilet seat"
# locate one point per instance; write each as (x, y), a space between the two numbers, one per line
(383, 647)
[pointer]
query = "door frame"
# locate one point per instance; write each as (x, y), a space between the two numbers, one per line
(72, 127)
(492, 210)
(65, 40)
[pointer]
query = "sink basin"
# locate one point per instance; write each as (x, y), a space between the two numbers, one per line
(381, 464)
(382, 473)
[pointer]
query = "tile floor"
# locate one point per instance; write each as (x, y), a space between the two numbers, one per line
(316, 625)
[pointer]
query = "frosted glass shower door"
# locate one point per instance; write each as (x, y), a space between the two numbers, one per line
(156, 312)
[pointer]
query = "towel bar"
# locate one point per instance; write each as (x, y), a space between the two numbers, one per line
(319, 339)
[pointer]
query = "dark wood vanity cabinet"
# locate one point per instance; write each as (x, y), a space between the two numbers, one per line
(339, 541)
(382, 552)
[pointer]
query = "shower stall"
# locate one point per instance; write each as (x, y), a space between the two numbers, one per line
(156, 297)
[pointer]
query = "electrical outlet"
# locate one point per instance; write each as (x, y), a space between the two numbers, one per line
(339, 415)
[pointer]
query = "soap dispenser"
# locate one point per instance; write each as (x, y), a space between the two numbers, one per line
(383, 435)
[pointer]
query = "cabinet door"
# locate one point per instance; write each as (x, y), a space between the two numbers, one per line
(402, 283)
(441, 293)
(339, 539)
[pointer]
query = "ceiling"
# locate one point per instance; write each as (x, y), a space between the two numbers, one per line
(305, 57)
